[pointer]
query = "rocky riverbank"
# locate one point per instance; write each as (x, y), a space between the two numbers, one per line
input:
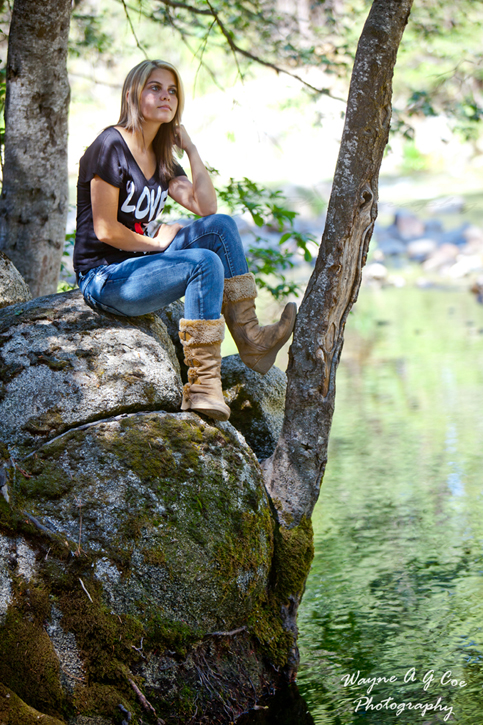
(425, 245)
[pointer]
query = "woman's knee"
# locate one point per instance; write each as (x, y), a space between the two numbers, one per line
(221, 223)
(210, 263)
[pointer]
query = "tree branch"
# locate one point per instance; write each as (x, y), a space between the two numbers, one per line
(236, 49)
(128, 17)
(171, 4)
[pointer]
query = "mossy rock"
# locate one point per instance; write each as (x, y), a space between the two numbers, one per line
(14, 711)
(139, 552)
(170, 510)
(257, 403)
(63, 365)
(13, 288)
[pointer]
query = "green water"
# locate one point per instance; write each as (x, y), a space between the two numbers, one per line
(396, 587)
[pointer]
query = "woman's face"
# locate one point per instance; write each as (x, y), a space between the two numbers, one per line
(159, 97)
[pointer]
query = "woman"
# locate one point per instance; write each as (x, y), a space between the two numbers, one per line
(127, 265)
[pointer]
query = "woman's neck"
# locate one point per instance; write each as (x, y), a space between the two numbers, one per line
(142, 140)
(141, 146)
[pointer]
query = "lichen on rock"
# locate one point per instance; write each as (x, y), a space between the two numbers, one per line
(171, 509)
(13, 288)
(62, 365)
(257, 403)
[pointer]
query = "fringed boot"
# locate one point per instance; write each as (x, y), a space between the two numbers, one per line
(201, 340)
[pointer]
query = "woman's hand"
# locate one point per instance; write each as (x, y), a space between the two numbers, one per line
(165, 235)
(182, 138)
(198, 196)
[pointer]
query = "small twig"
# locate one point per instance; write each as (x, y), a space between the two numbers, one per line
(79, 505)
(24, 473)
(83, 587)
(226, 634)
(139, 649)
(145, 703)
(236, 49)
(201, 51)
(128, 717)
(170, 3)
(69, 674)
(37, 523)
(140, 47)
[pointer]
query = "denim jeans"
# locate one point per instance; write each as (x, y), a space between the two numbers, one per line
(194, 266)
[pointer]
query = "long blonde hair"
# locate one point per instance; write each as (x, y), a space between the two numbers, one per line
(131, 118)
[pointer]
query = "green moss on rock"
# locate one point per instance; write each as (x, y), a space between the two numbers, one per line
(28, 663)
(102, 700)
(14, 711)
(164, 634)
(177, 545)
(293, 554)
(105, 639)
(294, 551)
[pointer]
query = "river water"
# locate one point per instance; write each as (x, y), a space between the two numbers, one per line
(396, 587)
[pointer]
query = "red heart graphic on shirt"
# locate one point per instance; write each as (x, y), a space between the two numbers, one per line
(138, 228)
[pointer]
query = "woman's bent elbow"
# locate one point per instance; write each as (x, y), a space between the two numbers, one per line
(103, 233)
(209, 209)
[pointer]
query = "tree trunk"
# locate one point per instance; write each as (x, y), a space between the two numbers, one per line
(294, 473)
(33, 209)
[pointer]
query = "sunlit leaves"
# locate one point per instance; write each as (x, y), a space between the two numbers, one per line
(88, 33)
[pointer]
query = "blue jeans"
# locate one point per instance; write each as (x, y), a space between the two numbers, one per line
(194, 266)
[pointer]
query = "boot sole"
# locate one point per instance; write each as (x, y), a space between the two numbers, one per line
(215, 411)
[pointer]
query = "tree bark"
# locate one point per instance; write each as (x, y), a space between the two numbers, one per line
(33, 209)
(294, 473)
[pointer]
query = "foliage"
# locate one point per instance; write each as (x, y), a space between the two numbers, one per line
(88, 33)
(64, 285)
(434, 77)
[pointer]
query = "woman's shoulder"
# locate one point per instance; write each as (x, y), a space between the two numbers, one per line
(105, 155)
(107, 137)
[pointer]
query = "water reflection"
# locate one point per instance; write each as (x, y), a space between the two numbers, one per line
(396, 589)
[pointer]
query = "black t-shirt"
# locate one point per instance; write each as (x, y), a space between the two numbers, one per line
(141, 200)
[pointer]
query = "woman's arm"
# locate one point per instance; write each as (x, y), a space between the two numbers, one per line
(199, 196)
(105, 202)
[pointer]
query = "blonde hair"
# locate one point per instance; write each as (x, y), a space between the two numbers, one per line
(131, 117)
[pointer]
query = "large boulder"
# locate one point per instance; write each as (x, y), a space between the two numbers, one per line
(62, 365)
(171, 510)
(142, 574)
(127, 545)
(257, 403)
(13, 287)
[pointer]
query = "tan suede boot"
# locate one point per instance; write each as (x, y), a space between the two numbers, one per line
(201, 340)
(258, 346)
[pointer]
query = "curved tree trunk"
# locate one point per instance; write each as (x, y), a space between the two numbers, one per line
(33, 209)
(294, 473)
